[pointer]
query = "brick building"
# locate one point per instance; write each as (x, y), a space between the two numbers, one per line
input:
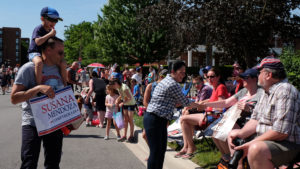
(10, 46)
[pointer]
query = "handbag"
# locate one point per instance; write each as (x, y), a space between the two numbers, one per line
(118, 117)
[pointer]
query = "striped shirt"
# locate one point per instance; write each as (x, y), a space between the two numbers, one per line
(279, 110)
(166, 95)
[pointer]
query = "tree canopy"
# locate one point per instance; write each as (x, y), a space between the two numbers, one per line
(80, 43)
(116, 37)
(243, 29)
(120, 39)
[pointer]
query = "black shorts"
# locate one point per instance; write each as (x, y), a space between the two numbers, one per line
(129, 107)
(100, 102)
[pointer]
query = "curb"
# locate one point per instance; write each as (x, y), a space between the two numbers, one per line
(141, 151)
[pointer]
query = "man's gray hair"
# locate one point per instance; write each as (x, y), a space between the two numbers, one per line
(277, 73)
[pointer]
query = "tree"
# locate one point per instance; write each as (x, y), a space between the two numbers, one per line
(243, 29)
(24, 52)
(291, 61)
(119, 38)
(80, 42)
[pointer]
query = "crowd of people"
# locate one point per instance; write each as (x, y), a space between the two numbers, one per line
(269, 105)
(7, 77)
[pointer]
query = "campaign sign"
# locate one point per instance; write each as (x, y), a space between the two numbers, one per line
(53, 114)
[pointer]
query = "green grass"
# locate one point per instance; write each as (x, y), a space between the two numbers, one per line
(206, 157)
(138, 120)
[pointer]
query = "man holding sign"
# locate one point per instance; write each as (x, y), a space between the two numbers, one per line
(25, 88)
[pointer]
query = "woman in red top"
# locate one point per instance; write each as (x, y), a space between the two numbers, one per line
(188, 122)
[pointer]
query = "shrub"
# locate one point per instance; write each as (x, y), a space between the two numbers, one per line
(291, 61)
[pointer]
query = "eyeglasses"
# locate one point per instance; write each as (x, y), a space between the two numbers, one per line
(52, 20)
(263, 71)
(196, 83)
(210, 77)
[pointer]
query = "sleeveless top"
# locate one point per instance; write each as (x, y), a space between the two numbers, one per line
(122, 93)
(73, 74)
(99, 86)
(154, 84)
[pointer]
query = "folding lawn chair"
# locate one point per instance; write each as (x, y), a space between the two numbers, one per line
(186, 88)
(205, 129)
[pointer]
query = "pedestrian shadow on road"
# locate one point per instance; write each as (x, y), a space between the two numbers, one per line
(83, 136)
(136, 136)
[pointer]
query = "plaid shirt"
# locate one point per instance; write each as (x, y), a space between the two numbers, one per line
(279, 110)
(166, 94)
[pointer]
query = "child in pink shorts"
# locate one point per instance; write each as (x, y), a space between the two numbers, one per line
(110, 109)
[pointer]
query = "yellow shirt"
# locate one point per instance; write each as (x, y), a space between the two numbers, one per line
(122, 90)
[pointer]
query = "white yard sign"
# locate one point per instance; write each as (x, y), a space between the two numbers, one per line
(53, 114)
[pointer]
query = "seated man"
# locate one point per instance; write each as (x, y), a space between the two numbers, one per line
(203, 93)
(275, 120)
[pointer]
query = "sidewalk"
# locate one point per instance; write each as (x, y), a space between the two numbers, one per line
(141, 151)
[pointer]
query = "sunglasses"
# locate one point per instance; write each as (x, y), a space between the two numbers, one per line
(210, 77)
(52, 20)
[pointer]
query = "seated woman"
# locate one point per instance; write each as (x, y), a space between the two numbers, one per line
(188, 122)
(203, 93)
(246, 100)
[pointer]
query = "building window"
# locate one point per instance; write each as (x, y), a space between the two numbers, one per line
(17, 59)
(17, 54)
(0, 59)
(17, 33)
(1, 54)
(1, 40)
(17, 47)
(1, 32)
(17, 41)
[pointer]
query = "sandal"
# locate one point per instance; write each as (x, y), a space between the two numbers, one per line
(179, 154)
(188, 156)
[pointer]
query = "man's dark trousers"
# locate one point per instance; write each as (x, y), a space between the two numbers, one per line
(31, 145)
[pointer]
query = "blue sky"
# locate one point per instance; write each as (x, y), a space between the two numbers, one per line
(25, 14)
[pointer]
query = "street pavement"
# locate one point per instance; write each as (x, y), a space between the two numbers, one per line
(84, 148)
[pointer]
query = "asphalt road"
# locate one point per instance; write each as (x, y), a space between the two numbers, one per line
(84, 148)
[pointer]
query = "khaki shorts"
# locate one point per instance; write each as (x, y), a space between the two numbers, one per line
(283, 152)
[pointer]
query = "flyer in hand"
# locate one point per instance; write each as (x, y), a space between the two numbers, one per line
(225, 125)
(53, 114)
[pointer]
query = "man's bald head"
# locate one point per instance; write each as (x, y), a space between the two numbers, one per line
(75, 65)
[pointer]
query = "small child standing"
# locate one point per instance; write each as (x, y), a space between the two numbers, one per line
(88, 107)
(136, 91)
(111, 108)
(40, 35)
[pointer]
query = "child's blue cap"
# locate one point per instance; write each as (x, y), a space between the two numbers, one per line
(51, 13)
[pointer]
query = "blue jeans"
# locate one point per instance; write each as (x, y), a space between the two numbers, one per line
(31, 145)
(156, 132)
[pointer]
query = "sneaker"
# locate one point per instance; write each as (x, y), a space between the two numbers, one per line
(122, 139)
(118, 138)
(106, 138)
